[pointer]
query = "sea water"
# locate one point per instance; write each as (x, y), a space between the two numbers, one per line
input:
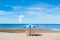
(55, 27)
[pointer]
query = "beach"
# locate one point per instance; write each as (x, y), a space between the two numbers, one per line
(22, 35)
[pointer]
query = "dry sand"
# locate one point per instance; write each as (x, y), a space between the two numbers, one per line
(45, 35)
(22, 36)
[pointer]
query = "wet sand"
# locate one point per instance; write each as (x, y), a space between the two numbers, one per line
(28, 30)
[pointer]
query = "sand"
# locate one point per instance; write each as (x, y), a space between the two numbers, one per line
(24, 30)
(22, 36)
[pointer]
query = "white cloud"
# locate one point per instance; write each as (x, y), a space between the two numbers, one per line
(34, 8)
(5, 12)
(52, 9)
(30, 12)
(42, 11)
(20, 19)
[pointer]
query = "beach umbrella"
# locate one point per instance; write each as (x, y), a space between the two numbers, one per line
(27, 26)
(30, 28)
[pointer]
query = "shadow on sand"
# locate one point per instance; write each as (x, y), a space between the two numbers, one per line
(34, 35)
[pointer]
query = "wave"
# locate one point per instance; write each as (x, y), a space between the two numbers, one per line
(55, 29)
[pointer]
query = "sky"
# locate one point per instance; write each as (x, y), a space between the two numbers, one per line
(29, 11)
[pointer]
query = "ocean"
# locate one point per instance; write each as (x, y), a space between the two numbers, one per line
(55, 27)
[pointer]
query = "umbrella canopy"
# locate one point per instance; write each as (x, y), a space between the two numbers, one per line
(29, 26)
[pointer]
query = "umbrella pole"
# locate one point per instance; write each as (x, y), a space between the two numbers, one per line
(30, 31)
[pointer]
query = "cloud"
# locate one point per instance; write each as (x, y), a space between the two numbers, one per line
(5, 12)
(52, 9)
(34, 8)
(43, 14)
(20, 18)
(30, 12)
